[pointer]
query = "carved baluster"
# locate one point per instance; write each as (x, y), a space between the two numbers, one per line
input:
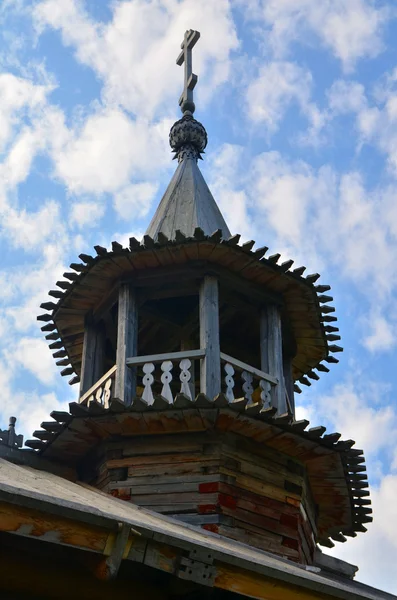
(166, 377)
(98, 395)
(248, 388)
(265, 393)
(185, 376)
(107, 392)
(229, 380)
(147, 381)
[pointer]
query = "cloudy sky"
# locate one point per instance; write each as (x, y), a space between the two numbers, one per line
(299, 98)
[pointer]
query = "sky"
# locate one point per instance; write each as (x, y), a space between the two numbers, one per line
(299, 99)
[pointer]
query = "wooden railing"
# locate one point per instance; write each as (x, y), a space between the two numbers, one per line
(254, 385)
(101, 391)
(165, 383)
(173, 373)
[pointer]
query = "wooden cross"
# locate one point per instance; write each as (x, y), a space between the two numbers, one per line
(186, 100)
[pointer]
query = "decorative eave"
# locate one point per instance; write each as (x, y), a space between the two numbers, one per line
(84, 288)
(336, 470)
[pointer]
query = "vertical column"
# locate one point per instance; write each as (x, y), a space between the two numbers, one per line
(93, 354)
(210, 379)
(289, 382)
(272, 353)
(127, 344)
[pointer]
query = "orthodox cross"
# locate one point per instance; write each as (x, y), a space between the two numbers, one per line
(186, 100)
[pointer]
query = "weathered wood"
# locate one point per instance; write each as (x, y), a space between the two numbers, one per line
(97, 384)
(245, 367)
(271, 347)
(210, 380)
(156, 358)
(127, 344)
(93, 356)
(289, 382)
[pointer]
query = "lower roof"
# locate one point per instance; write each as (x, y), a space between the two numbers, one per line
(50, 494)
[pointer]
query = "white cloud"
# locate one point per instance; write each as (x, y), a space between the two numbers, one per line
(278, 85)
(134, 54)
(228, 188)
(34, 355)
(354, 411)
(350, 30)
(376, 121)
(19, 97)
(109, 150)
(30, 230)
(86, 214)
(382, 334)
(134, 201)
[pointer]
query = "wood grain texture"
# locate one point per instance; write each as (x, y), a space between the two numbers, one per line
(127, 344)
(210, 380)
(272, 353)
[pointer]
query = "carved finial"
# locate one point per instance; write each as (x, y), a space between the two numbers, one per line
(8, 436)
(186, 100)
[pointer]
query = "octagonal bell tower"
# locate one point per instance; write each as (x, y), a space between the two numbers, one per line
(189, 347)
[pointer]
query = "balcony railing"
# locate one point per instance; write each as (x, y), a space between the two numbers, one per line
(243, 381)
(102, 391)
(169, 374)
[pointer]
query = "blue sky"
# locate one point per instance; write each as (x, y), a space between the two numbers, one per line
(299, 99)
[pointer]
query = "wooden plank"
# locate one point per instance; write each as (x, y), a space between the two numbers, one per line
(271, 347)
(210, 380)
(97, 384)
(245, 367)
(155, 358)
(289, 382)
(127, 344)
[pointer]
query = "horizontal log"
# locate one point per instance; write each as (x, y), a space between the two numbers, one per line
(71, 276)
(232, 241)
(45, 317)
(312, 278)
(260, 252)
(134, 244)
(100, 250)
(117, 247)
(87, 258)
(48, 305)
(154, 358)
(247, 246)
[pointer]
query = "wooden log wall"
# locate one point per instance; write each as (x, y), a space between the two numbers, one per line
(235, 487)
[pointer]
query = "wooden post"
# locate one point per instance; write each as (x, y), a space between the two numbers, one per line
(289, 382)
(127, 344)
(210, 379)
(272, 353)
(93, 356)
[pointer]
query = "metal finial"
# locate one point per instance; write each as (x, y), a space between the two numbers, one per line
(186, 100)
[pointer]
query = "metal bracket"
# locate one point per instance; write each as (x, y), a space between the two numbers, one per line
(198, 567)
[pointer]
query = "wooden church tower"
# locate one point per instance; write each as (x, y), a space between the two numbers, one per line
(189, 347)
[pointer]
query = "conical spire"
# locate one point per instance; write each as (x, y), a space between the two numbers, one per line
(187, 202)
